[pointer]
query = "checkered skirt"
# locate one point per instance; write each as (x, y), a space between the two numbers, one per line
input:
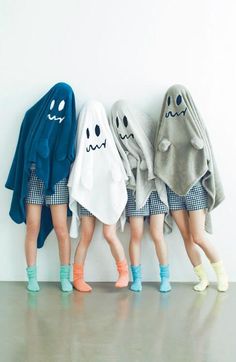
(195, 199)
(153, 206)
(36, 191)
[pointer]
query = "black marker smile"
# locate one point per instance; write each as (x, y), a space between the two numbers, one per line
(125, 136)
(88, 149)
(176, 114)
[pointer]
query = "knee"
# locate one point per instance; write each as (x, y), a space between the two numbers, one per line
(32, 228)
(109, 235)
(61, 231)
(187, 237)
(157, 237)
(136, 237)
(198, 239)
(86, 238)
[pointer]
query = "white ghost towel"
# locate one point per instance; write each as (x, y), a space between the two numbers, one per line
(97, 179)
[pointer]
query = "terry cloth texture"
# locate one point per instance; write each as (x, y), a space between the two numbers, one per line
(134, 134)
(47, 139)
(183, 152)
(97, 179)
(153, 206)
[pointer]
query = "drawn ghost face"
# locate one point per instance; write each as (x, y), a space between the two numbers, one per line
(123, 128)
(175, 102)
(94, 138)
(57, 110)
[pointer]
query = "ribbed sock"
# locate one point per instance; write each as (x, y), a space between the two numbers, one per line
(32, 279)
(66, 285)
(79, 283)
(165, 275)
(123, 279)
(221, 275)
(136, 286)
(202, 276)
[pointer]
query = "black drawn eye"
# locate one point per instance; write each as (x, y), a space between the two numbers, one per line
(97, 130)
(87, 133)
(117, 122)
(178, 100)
(168, 100)
(125, 121)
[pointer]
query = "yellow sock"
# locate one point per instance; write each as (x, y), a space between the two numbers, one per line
(221, 275)
(202, 276)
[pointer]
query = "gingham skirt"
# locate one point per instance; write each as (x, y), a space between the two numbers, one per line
(36, 191)
(195, 199)
(84, 212)
(153, 206)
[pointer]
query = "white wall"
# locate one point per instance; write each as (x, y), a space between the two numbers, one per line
(109, 50)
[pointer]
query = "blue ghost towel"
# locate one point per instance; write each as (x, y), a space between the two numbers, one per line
(47, 138)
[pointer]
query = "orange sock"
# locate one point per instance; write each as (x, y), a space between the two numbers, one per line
(79, 283)
(123, 279)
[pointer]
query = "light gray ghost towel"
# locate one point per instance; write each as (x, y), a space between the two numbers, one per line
(183, 152)
(134, 134)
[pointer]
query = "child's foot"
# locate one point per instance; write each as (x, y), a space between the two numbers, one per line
(202, 276)
(165, 285)
(123, 279)
(82, 286)
(32, 277)
(66, 285)
(165, 275)
(136, 286)
(222, 278)
(200, 287)
(79, 283)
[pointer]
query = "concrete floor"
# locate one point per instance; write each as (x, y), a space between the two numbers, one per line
(111, 325)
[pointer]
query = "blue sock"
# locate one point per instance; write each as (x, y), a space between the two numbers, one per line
(165, 275)
(136, 286)
(32, 277)
(66, 285)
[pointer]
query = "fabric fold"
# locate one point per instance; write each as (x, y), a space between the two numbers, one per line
(47, 139)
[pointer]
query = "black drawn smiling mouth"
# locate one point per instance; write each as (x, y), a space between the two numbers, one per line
(125, 136)
(176, 114)
(88, 149)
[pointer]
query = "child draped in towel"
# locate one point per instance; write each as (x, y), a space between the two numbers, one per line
(134, 133)
(97, 190)
(38, 177)
(185, 162)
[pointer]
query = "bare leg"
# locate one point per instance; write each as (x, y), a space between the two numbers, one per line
(181, 218)
(136, 234)
(197, 228)
(33, 217)
(117, 250)
(156, 231)
(86, 234)
(59, 219)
